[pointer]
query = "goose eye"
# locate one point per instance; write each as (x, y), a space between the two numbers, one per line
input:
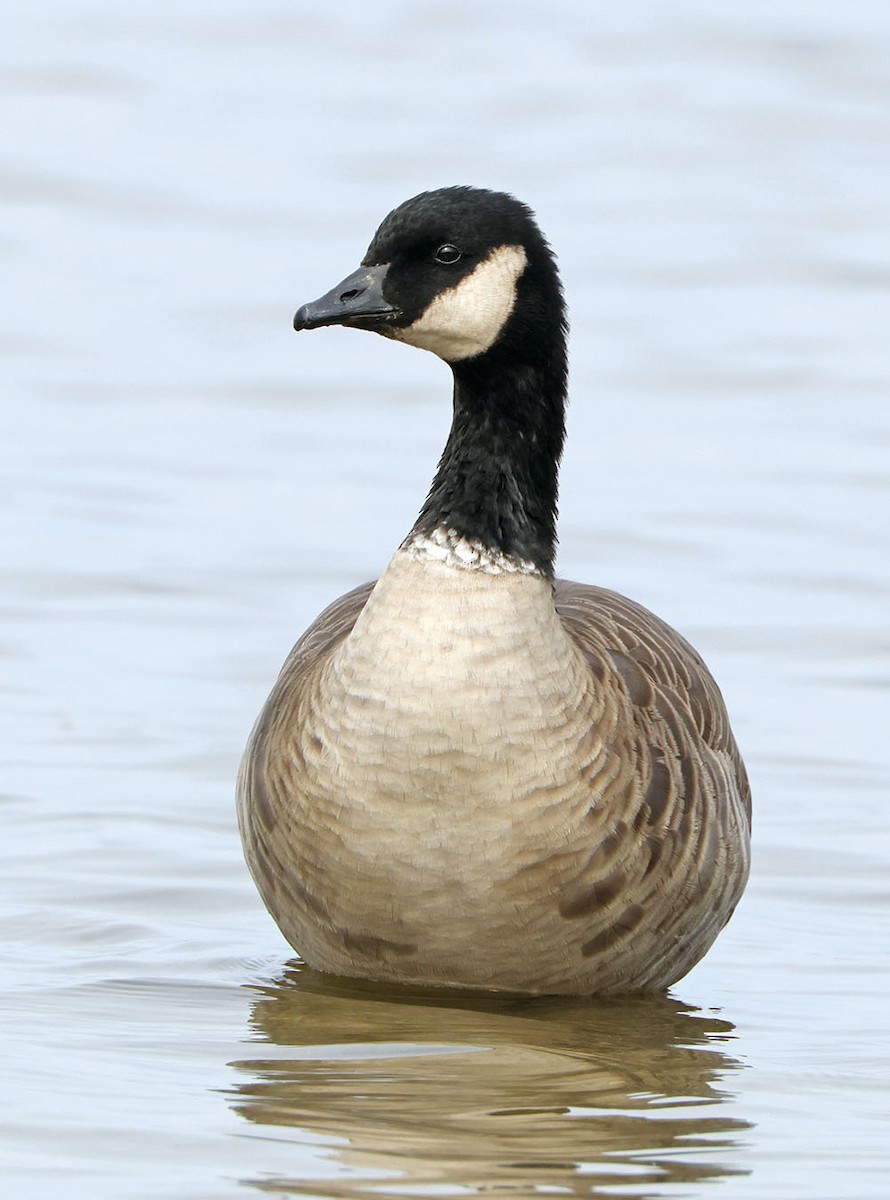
(447, 254)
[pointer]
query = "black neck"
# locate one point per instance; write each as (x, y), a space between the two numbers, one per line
(497, 480)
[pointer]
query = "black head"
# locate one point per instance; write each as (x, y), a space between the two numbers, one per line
(459, 271)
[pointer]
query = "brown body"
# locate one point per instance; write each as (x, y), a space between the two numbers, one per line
(480, 778)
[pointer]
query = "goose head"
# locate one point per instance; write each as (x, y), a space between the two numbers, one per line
(460, 272)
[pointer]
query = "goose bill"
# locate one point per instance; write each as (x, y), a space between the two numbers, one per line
(357, 301)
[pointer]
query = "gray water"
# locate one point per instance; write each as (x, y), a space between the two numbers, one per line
(186, 483)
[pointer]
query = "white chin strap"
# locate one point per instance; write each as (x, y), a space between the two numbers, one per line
(467, 319)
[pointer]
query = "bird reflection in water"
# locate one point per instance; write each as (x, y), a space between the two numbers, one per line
(434, 1092)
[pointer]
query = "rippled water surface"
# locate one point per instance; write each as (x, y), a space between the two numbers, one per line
(186, 484)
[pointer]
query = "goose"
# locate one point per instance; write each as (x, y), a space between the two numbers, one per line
(470, 773)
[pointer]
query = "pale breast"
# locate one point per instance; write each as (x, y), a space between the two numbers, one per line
(483, 707)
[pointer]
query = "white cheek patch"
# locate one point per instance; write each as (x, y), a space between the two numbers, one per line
(467, 319)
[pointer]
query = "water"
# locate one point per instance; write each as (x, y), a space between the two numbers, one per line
(187, 484)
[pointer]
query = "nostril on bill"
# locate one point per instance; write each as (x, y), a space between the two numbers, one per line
(345, 297)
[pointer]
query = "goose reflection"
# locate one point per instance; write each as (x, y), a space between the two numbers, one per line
(452, 1093)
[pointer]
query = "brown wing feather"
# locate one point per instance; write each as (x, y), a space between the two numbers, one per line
(658, 667)
(327, 631)
(683, 811)
(258, 809)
